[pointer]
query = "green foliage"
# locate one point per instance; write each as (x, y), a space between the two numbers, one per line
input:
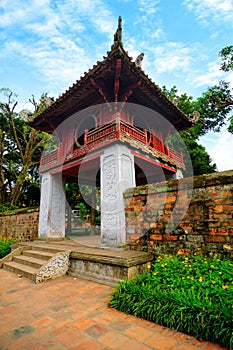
(193, 295)
(7, 206)
(226, 55)
(5, 245)
(20, 150)
(214, 106)
(76, 201)
(201, 163)
(196, 158)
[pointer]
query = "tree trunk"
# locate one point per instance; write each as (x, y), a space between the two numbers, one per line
(16, 192)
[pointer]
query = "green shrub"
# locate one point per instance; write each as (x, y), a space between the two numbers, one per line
(193, 295)
(5, 245)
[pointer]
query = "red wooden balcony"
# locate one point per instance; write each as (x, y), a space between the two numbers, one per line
(106, 134)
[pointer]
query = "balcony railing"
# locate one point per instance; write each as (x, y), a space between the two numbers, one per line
(113, 131)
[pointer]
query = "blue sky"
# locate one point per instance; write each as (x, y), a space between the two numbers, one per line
(47, 45)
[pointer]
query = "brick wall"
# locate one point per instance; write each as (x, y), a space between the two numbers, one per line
(21, 225)
(182, 214)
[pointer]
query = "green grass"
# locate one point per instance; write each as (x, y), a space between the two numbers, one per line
(5, 245)
(193, 295)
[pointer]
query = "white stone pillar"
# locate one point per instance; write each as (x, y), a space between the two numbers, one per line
(52, 207)
(117, 174)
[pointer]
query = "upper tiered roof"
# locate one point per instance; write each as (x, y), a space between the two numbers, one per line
(115, 79)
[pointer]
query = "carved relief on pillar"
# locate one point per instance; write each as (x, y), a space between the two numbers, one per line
(52, 207)
(110, 178)
(109, 199)
(57, 212)
(44, 204)
(117, 174)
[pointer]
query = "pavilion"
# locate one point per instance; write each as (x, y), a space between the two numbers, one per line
(112, 126)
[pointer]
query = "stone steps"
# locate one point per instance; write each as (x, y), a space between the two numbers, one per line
(39, 254)
(95, 264)
(21, 269)
(28, 263)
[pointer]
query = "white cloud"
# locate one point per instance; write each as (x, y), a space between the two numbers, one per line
(211, 77)
(158, 34)
(219, 146)
(172, 56)
(148, 6)
(209, 11)
(54, 38)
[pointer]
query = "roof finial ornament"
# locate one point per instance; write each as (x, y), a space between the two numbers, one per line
(139, 59)
(118, 34)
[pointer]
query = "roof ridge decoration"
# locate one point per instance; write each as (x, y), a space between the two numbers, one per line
(118, 34)
(117, 53)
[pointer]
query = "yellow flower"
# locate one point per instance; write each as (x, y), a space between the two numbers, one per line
(213, 282)
(201, 279)
(225, 287)
(155, 273)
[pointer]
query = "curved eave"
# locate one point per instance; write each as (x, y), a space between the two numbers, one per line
(78, 96)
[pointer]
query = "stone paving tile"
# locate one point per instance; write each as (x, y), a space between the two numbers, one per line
(159, 341)
(139, 333)
(72, 314)
(96, 331)
(134, 345)
(87, 344)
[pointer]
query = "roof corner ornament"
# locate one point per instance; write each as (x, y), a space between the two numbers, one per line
(138, 61)
(118, 34)
(195, 117)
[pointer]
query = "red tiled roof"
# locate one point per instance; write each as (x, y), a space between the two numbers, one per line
(84, 94)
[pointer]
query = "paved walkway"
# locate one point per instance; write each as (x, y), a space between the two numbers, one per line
(69, 313)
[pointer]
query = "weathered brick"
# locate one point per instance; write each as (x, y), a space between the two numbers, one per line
(218, 230)
(227, 208)
(215, 238)
(156, 237)
(23, 226)
(171, 237)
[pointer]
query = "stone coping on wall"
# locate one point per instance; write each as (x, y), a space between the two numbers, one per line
(19, 211)
(218, 178)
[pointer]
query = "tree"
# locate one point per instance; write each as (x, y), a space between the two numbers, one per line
(20, 147)
(201, 161)
(215, 106)
(226, 55)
